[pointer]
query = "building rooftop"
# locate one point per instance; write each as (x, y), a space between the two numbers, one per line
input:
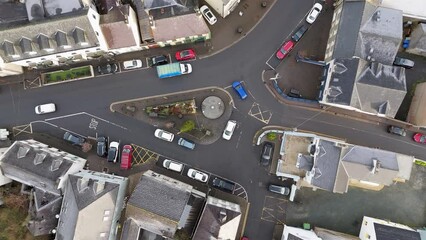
(60, 34)
(35, 164)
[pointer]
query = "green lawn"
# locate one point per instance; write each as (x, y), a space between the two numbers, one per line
(62, 75)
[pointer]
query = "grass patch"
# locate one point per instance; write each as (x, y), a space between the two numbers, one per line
(420, 162)
(64, 75)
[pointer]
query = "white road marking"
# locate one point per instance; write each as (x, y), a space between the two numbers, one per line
(85, 113)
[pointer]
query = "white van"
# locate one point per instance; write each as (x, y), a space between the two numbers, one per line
(172, 165)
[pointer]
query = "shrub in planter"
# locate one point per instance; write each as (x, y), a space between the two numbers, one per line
(187, 126)
(271, 136)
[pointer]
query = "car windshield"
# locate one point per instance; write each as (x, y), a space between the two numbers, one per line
(209, 14)
(184, 53)
(111, 153)
(423, 138)
(39, 108)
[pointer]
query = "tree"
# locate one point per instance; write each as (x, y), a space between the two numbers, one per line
(187, 126)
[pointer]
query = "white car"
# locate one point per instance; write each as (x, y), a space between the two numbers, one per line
(208, 15)
(164, 135)
(45, 108)
(197, 175)
(113, 152)
(172, 165)
(229, 129)
(313, 14)
(132, 64)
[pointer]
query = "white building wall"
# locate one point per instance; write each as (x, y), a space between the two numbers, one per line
(94, 19)
(223, 9)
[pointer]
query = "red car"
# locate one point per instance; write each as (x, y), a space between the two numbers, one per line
(420, 138)
(185, 55)
(285, 49)
(126, 157)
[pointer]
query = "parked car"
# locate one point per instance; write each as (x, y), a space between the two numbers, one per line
(420, 138)
(299, 33)
(75, 140)
(208, 15)
(183, 55)
(279, 189)
(186, 143)
(238, 87)
(101, 148)
(126, 157)
(172, 165)
(113, 152)
(285, 49)
(159, 60)
(45, 108)
(403, 62)
(108, 68)
(244, 238)
(294, 93)
(267, 152)
(223, 184)
(397, 131)
(132, 64)
(164, 135)
(198, 175)
(313, 14)
(229, 129)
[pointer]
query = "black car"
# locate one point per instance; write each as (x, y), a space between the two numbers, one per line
(397, 131)
(267, 152)
(224, 185)
(75, 140)
(108, 68)
(403, 62)
(299, 33)
(159, 60)
(101, 149)
(294, 93)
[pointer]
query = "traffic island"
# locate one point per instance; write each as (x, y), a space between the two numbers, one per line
(199, 115)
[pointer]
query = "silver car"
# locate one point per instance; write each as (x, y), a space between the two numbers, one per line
(164, 135)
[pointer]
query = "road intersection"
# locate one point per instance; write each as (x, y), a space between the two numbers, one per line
(81, 102)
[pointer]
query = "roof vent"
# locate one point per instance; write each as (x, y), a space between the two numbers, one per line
(22, 152)
(82, 184)
(39, 158)
(377, 16)
(222, 216)
(98, 187)
(56, 163)
(376, 166)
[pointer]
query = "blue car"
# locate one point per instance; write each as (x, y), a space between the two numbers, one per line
(238, 87)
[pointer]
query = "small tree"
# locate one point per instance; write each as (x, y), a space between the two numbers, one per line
(271, 136)
(187, 126)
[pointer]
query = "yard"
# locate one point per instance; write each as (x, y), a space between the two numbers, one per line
(13, 215)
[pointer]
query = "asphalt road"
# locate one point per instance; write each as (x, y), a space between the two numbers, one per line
(237, 159)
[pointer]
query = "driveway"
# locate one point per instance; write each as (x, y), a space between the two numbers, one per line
(401, 203)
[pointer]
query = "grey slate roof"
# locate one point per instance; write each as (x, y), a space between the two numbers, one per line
(384, 232)
(325, 165)
(90, 193)
(34, 167)
(158, 203)
(368, 31)
(358, 163)
(370, 87)
(59, 30)
(161, 198)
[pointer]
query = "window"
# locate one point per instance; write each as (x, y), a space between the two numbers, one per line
(94, 16)
(97, 34)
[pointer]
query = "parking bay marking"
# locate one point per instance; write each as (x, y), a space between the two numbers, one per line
(88, 114)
